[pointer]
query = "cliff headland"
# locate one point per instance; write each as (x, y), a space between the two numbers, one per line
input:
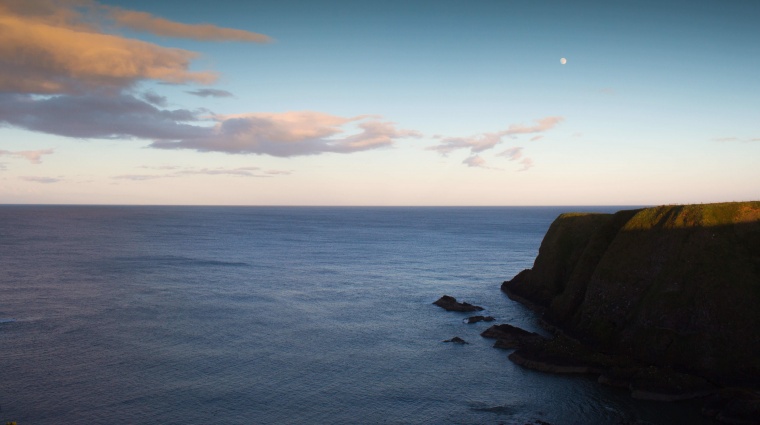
(672, 289)
(672, 286)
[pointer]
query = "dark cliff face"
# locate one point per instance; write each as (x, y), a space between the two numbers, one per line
(675, 286)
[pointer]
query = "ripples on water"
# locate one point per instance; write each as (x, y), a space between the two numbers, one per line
(232, 315)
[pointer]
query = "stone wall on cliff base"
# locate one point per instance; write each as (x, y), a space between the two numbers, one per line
(675, 286)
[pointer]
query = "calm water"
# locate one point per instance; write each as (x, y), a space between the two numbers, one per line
(236, 315)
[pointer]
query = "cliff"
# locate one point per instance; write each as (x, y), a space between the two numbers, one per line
(671, 286)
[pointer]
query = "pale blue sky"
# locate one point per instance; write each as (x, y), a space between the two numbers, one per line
(462, 103)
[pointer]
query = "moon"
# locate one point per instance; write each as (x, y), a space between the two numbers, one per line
(563, 61)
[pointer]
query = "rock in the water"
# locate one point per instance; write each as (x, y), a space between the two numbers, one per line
(505, 331)
(476, 319)
(457, 340)
(508, 336)
(450, 303)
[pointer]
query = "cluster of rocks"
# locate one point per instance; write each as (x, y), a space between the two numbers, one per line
(564, 355)
(449, 303)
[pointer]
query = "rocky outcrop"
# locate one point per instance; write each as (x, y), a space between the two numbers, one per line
(476, 319)
(457, 340)
(509, 337)
(451, 304)
(675, 287)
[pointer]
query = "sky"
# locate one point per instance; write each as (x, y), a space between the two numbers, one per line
(379, 103)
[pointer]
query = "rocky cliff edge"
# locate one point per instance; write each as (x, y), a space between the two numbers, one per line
(674, 286)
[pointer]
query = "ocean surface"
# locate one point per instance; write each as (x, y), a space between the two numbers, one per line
(277, 315)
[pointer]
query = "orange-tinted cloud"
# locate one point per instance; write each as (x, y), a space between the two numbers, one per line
(142, 21)
(53, 47)
(38, 57)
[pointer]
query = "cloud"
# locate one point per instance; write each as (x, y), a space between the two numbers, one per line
(527, 164)
(62, 73)
(45, 180)
(219, 171)
(516, 154)
(35, 157)
(210, 93)
(487, 141)
(125, 116)
(278, 172)
(141, 177)
(154, 99)
(142, 21)
(54, 47)
(475, 161)
(512, 153)
(542, 125)
(242, 171)
(290, 134)
(40, 57)
(478, 143)
(94, 116)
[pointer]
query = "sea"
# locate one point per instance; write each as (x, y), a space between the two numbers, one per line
(278, 315)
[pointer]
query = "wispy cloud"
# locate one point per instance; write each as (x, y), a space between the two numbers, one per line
(526, 163)
(512, 153)
(44, 180)
(475, 161)
(142, 177)
(210, 93)
(142, 21)
(35, 157)
(241, 172)
(516, 154)
(219, 171)
(485, 141)
(291, 134)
